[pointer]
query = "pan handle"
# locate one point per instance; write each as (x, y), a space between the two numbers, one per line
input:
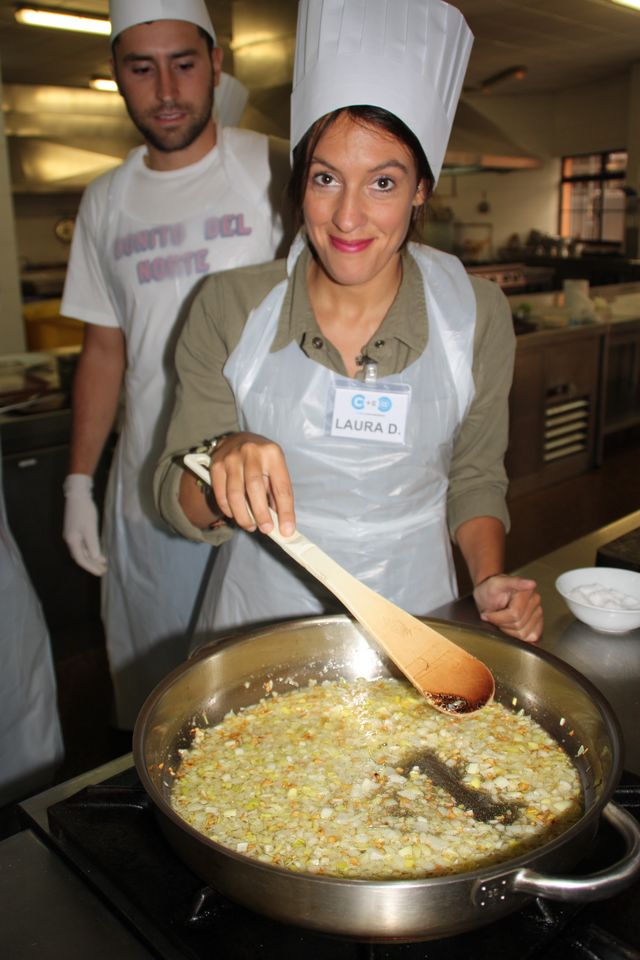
(593, 886)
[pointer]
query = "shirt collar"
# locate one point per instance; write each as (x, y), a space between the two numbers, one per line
(406, 319)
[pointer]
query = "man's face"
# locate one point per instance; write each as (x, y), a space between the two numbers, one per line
(166, 76)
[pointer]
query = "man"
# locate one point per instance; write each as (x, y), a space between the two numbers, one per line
(193, 199)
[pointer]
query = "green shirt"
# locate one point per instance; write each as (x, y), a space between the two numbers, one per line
(205, 405)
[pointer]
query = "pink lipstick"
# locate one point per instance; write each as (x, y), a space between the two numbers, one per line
(349, 246)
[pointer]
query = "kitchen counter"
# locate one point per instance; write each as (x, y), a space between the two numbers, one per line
(601, 270)
(546, 314)
(610, 661)
(47, 912)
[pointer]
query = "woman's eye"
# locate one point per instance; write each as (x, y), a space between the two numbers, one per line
(384, 183)
(324, 179)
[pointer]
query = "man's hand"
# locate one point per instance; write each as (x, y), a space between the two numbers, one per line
(80, 525)
(512, 605)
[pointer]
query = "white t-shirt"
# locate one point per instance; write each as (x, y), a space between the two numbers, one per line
(161, 201)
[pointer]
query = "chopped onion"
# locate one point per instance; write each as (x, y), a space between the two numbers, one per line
(317, 781)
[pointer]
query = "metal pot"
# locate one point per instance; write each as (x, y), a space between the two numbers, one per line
(233, 674)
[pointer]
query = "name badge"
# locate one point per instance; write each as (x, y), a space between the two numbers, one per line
(376, 412)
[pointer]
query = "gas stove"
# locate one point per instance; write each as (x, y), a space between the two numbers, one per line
(510, 276)
(107, 833)
(514, 278)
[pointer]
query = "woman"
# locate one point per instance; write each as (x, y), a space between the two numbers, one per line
(361, 387)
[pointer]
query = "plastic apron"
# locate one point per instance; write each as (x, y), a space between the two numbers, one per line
(378, 509)
(154, 579)
(30, 735)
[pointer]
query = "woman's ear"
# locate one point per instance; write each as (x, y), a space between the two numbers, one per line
(423, 193)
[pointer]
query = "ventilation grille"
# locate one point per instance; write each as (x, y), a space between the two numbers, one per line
(566, 429)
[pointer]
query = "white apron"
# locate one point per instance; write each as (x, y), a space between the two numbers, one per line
(378, 509)
(30, 734)
(154, 578)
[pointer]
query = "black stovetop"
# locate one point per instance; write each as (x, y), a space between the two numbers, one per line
(109, 834)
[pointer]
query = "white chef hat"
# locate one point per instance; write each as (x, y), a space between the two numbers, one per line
(407, 56)
(231, 99)
(127, 13)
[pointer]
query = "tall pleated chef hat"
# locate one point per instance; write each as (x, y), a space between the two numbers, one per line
(408, 57)
(127, 13)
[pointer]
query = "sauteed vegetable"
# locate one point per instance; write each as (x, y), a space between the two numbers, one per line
(322, 780)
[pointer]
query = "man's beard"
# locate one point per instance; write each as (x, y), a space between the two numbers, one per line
(168, 141)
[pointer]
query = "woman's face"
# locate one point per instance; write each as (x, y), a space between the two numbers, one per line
(359, 197)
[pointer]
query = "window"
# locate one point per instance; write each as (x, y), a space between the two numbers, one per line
(592, 196)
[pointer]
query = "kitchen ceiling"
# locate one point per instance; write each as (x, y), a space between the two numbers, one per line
(561, 44)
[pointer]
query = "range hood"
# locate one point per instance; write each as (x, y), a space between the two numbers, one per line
(478, 145)
(61, 138)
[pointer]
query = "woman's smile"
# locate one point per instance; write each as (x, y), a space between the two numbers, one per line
(349, 246)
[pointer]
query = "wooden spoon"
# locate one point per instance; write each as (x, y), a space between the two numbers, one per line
(451, 679)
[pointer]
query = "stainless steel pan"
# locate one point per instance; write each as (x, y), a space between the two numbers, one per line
(232, 674)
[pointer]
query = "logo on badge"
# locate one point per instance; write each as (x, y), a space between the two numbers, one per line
(357, 401)
(384, 404)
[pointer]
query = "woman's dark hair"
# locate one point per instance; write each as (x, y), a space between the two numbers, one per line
(366, 115)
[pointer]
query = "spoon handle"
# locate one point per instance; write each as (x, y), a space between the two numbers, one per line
(381, 618)
(452, 679)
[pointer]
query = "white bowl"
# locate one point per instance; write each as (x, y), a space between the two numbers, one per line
(600, 618)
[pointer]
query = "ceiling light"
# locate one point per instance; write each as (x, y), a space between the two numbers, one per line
(103, 84)
(511, 73)
(57, 20)
(634, 4)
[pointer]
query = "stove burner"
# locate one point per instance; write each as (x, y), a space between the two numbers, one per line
(515, 278)
(511, 277)
(109, 833)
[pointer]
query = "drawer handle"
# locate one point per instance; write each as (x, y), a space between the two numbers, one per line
(561, 390)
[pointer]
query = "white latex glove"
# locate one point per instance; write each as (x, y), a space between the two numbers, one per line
(80, 525)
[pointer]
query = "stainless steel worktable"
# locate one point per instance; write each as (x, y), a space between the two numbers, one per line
(610, 661)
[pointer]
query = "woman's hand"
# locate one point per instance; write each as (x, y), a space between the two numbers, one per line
(512, 605)
(248, 468)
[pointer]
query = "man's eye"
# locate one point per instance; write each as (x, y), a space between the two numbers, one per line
(186, 65)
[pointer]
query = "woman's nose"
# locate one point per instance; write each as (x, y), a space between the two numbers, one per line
(349, 213)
